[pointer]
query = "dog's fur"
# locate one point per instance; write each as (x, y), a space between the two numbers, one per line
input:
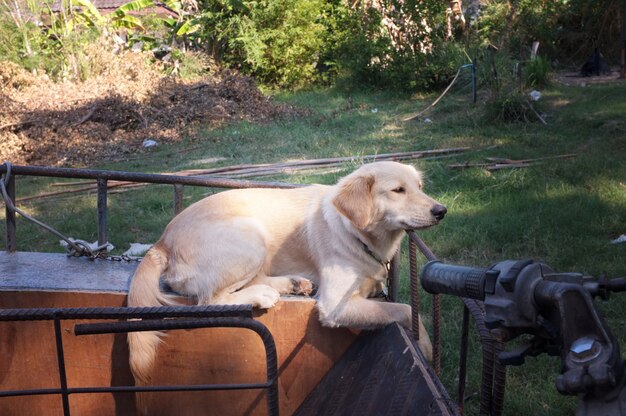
(251, 246)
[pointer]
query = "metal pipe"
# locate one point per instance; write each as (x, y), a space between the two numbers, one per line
(437, 334)
(10, 217)
(61, 363)
(178, 198)
(499, 381)
(415, 299)
(436, 307)
(102, 212)
(156, 312)
(141, 177)
(134, 389)
(424, 249)
(463, 360)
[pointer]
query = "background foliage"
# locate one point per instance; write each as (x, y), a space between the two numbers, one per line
(400, 44)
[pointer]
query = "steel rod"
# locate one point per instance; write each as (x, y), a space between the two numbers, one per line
(178, 198)
(140, 177)
(61, 363)
(463, 359)
(415, 299)
(102, 213)
(10, 217)
(209, 311)
(437, 334)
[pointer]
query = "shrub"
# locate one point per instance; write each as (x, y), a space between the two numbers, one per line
(508, 108)
(537, 72)
(406, 55)
(280, 41)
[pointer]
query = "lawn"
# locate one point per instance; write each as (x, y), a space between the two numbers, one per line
(564, 212)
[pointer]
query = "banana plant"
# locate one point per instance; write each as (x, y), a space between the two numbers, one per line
(184, 24)
(121, 17)
(85, 12)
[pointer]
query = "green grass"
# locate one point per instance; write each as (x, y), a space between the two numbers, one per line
(563, 212)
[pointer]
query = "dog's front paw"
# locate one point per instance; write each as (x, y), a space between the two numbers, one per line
(302, 286)
(266, 297)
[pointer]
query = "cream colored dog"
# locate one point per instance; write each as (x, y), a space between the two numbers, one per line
(251, 246)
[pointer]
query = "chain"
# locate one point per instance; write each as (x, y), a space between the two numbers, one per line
(75, 248)
(102, 255)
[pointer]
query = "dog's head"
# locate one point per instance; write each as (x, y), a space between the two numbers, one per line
(387, 195)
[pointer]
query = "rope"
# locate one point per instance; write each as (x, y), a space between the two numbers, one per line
(74, 247)
(413, 117)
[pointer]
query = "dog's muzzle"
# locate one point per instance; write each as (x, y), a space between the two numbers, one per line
(439, 211)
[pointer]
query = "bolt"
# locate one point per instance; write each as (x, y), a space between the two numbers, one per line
(585, 349)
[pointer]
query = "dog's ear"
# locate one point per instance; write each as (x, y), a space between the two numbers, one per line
(354, 199)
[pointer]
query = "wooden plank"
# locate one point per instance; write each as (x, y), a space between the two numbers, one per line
(306, 351)
(57, 271)
(382, 373)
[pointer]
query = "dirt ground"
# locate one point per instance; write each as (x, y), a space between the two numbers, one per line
(575, 79)
(110, 116)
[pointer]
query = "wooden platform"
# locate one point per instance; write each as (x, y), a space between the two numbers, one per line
(306, 351)
(57, 272)
(383, 372)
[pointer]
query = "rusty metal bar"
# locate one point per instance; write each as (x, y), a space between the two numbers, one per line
(436, 306)
(437, 334)
(178, 198)
(10, 217)
(61, 364)
(141, 177)
(102, 212)
(415, 298)
(424, 249)
(151, 312)
(189, 317)
(394, 277)
(499, 381)
(463, 360)
(493, 373)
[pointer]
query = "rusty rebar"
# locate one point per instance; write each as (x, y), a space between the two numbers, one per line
(415, 299)
(437, 334)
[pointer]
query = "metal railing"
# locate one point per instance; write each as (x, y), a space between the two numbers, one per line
(185, 317)
(103, 176)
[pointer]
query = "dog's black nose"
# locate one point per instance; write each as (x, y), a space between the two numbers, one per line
(439, 211)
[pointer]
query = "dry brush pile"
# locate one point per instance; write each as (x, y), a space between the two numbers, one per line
(110, 115)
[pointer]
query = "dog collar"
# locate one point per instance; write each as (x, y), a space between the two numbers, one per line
(373, 255)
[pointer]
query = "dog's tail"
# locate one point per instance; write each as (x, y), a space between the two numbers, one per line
(144, 291)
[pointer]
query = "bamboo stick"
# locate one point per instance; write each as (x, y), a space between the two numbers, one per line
(503, 163)
(264, 169)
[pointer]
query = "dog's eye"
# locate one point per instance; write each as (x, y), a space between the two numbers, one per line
(399, 190)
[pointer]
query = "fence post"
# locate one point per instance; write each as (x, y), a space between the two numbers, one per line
(102, 212)
(178, 198)
(11, 220)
